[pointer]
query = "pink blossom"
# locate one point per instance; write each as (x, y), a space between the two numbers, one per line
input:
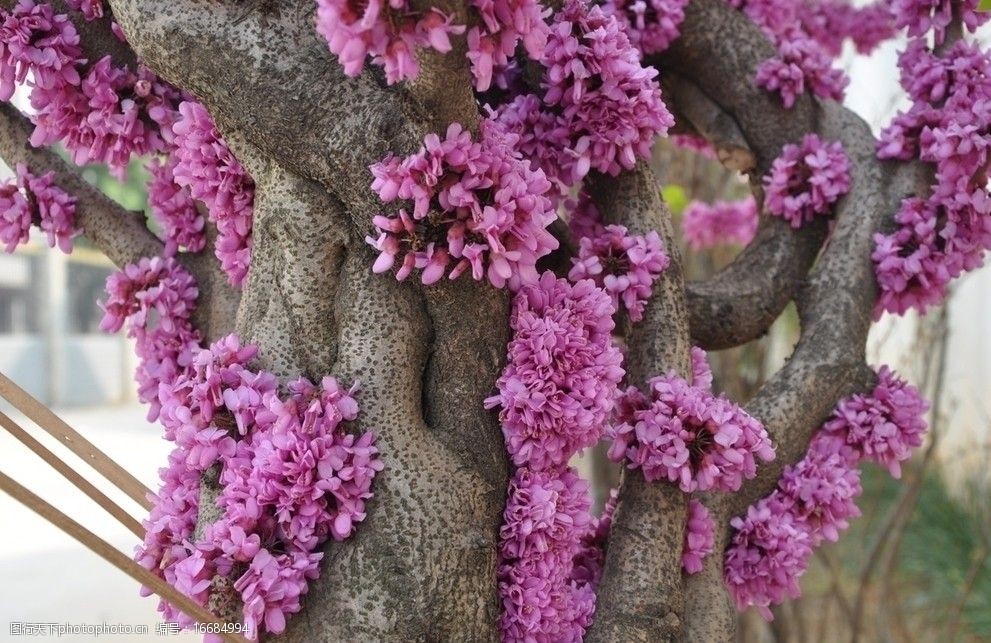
(584, 219)
(476, 205)
(700, 537)
(685, 434)
(91, 9)
(205, 164)
(624, 265)
(651, 25)
(885, 426)
(502, 25)
(15, 216)
(706, 225)
(390, 32)
(806, 179)
(922, 16)
(560, 381)
(34, 39)
(174, 209)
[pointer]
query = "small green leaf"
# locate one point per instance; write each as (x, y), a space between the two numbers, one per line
(984, 5)
(675, 196)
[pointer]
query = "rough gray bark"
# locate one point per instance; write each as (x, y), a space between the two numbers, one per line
(422, 566)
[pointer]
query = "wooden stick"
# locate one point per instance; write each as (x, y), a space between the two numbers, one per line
(57, 428)
(72, 476)
(112, 555)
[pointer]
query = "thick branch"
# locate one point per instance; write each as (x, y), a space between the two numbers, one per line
(645, 543)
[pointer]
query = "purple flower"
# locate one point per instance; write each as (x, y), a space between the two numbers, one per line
(806, 179)
(685, 434)
(651, 25)
(205, 164)
(706, 225)
(885, 426)
(174, 209)
(502, 25)
(624, 265)
(476, 205)
(700, 537)
(559, 384)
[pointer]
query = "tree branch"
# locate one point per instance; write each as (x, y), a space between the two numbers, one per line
(644, 550)
(118, 233)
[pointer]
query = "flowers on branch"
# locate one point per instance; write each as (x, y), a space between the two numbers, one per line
(389, 32)
(205, 164)
(651, 25)
(476, 204)
(600, 108)
(922, 16)
(174, 209)
(683, 433)
(700, 537)
(947, 233)
(816, 497)
(155, 299)
(624, 265)
(558, 386)
(290, 478)
(706, 225)
(806, 179)
(502, 25)
(28, 199)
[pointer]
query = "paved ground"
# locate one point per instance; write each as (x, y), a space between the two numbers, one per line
(47, 577)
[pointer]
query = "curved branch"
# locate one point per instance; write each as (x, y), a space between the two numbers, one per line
(645, 542)
(120, 234)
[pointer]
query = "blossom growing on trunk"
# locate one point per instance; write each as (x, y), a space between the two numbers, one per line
(651, 25)
(806, 179)
(174, 209)
(700, 537)
(624, 265)
(476, 205)
(31, 199)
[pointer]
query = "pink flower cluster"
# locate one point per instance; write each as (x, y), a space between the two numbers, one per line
(174, 209)
(502, 25)
(390, 32)
(651, 25)
(154, 299)
(291, 478)
(601, 109)
(558, 387)
(705, 225)
(682, 432)
(802, 62)
(204, 163)
(830, 22)
(816, 497)
(806, 179)
(101, 113)
(91, 9)
(938, 237)
(700, 537)
(555, 394)
(545, 596)
(923, 16)
(584, 219)
(885, 426)
(476, 204)
(35, 199)
(624, 265)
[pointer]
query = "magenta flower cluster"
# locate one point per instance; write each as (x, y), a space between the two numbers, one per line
(476, 204)
(390, 32)
(831, 22)
(938, 237)
(883, 427)
(683, 433)
(700, 537)
(601, 109)
(555, 394)
(204, 163)
(816, 497)
(651, 25)
(101, 113)
(623, 264)
(154, 299)
(500, 27)
(584, 219)
(707, 225)
(922, 16)
(558, 387)
(801, 63)
(174, 209)
(31, 199)
(91, 9)
(806, 179)
(291, 478)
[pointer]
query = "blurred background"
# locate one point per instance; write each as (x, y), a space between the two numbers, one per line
(916, 566)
